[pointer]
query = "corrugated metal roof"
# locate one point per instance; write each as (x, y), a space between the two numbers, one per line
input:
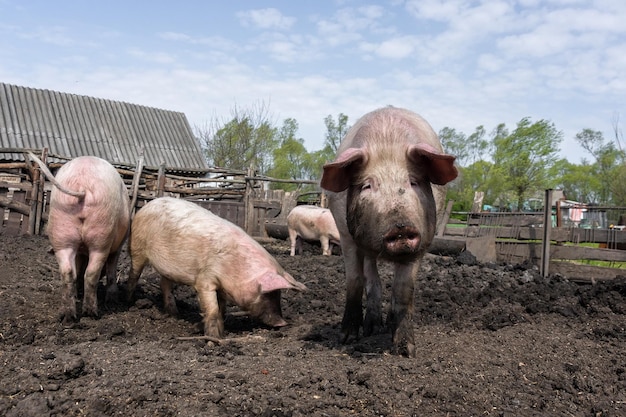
(71, 125)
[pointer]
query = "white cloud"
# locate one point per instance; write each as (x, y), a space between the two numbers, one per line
(266, 19)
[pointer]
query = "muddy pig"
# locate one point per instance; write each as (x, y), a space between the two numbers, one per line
(87, 224)
(312, 223)
(386, 187)
(189, 245)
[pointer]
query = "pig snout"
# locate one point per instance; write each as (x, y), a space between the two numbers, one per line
(401, 240)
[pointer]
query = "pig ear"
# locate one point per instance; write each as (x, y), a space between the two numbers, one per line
(271, 281)
(337, 174)
(440, 169)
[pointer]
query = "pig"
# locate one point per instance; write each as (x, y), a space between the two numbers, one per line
(385, 188)
(188, 244)
(88, 222)
(312, 223)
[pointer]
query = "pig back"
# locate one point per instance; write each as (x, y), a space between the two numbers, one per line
(102, 214)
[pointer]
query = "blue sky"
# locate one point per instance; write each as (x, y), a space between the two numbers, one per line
(459, 63)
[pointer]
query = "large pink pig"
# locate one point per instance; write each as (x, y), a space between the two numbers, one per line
(189, 245)
(312, 223)
(386, 187)
(87, 224)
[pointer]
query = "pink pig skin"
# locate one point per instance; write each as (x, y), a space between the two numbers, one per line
(312, 223)
(87, 232)
(187, 244)
(386, 187)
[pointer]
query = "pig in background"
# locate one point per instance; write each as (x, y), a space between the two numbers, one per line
(312, 223)
(189, 245)
(87, 223)
(386, 187)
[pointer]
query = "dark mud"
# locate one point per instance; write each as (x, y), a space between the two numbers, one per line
(492, 340)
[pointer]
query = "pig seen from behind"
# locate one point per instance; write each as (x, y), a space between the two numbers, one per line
(312, 223)
(386, 187)
(189, 245)
(87, 224)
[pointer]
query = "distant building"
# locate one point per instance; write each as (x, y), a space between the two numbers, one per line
(71, 125)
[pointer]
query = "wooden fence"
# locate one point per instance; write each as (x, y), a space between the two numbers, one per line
(238, 196)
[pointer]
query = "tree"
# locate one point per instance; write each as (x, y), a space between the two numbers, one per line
(467, 149)
(291, 159)
(247, 139)
(525, 160)
(335, 132)
(607, 169)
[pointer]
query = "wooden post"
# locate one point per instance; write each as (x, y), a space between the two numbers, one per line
(161, 180)
(547, 228)
(36, 192)
(40, 194)
(441, 228)
(248, 199)
(136, 180)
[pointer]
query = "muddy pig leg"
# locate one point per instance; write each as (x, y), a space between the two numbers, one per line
(400, 318)
(211, 305)
(325, 245)
(353, 312)
(97, 261)
(293, 238)
(373, 322)
(138, 262)
(66, 259)
(111, 274)
(169, 302)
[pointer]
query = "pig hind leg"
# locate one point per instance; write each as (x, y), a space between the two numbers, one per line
(293, 239)
(325, 245)
(111, 275)
(97, 260)
(138, 262)
(169, 301)
(66, 259)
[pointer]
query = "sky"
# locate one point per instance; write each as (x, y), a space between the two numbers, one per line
(458, 63)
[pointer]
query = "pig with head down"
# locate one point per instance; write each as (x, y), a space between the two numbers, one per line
(189, 245)
(312, 223)
(386, 188)
(87, 223)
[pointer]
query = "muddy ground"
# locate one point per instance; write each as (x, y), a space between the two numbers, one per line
(492, 340)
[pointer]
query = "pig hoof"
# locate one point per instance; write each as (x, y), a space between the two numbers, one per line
(112, 295)
(349, 335)
(407, 350)
(68, 319)
(373, 324)
(91, 312)
(404, 343)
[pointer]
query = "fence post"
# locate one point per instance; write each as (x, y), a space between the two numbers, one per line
(547, 228)
(40, 194)
(249, 201)
(161, 180)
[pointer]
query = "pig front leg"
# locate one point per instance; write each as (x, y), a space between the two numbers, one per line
(211, 305)
(353, 312)
(400, 318)
(373, 322)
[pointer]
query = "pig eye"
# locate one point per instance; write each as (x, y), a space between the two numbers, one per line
(366, 186)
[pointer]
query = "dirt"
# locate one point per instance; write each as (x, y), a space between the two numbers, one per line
(492, 340)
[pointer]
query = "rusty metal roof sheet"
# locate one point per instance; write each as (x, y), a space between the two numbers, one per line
(71, 125)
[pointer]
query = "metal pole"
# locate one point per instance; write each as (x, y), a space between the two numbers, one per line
(547, 228)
